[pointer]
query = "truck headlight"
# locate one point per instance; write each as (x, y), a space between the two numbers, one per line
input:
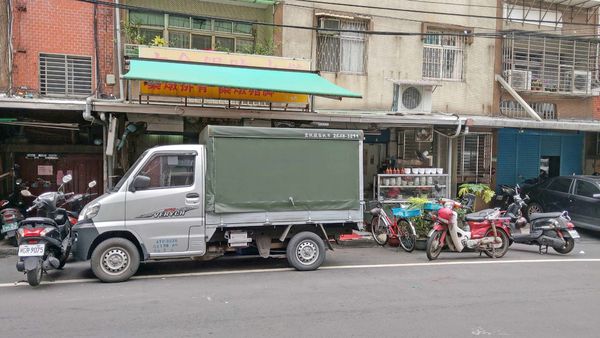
(89, 212)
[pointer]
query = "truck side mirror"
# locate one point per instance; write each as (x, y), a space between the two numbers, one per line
(140, 182)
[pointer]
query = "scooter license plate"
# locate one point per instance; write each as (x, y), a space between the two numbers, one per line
(574, 233)
(28, 250)
(9, 227)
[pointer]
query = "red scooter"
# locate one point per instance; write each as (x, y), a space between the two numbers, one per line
(488, 232)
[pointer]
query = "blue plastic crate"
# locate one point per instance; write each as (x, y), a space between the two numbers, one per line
(432, 206)
(406, 213)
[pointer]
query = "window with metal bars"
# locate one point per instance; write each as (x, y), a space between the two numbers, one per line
(65, 75)
(474, 158)
(550, 63)
(443, 56)
(408, 145)
(341, 51)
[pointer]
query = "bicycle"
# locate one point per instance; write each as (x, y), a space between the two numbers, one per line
(383, 228)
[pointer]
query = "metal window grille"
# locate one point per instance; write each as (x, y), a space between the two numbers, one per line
(65, 75)
(475, 157)
(513, 109)
(550, 63)
(341, 51)
(443, 56)
(408, 146)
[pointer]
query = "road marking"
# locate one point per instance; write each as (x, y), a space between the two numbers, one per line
(337, 267)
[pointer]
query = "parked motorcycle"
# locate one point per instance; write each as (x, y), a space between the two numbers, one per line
(487, 232)
(45, 240)
(11, 214)
(75, 203)
(553, 229)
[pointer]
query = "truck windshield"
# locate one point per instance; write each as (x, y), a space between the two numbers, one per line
(128, 173)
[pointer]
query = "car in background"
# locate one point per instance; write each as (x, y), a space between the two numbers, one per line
(579, 195)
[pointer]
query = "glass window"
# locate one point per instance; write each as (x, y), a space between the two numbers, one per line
(146, 19)
(167, 171)
(341, 51)
(201, 42)
(443, 56)
(223, 26)
(179, 39)
(560, 185)
(179, 21)
(243, 28)
(150, 34)
(224, 44)
(201, 24)
(586, 189)
(244, 46)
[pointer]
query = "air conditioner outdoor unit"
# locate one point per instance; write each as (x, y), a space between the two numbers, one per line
(518, 79)
(412, 98)
(582, 82)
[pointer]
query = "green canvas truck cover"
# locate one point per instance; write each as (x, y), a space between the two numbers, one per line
(253, 169)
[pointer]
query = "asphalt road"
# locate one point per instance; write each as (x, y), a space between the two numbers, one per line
(361, 292)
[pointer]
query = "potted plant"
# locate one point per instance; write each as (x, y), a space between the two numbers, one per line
(483, 192)
(422, 223)
(536, 84)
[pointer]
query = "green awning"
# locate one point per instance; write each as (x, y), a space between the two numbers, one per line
(285, 81)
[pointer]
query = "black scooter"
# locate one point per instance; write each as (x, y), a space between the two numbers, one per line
(44, 241)
(552, 229)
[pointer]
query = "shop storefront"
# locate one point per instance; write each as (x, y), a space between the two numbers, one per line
(524, 153)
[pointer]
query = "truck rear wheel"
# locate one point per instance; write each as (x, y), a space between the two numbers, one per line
(306, 251)
(115, 260)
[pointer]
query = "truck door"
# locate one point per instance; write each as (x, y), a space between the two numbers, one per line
(168, 209)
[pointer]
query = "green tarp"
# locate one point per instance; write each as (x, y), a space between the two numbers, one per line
(279, 169)
(286, 81)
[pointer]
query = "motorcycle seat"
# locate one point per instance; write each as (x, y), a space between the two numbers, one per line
(545, 215)
(480, 215)
(38, 220)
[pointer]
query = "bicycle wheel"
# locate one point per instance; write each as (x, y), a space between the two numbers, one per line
(407, 235)
(379, 231)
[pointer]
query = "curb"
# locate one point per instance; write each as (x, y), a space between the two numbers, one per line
(7, 249)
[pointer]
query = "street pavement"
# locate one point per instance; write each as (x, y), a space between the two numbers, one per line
(361, 291)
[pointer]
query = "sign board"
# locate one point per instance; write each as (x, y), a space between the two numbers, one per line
(221, 93)
(222, 58)
(44, 170)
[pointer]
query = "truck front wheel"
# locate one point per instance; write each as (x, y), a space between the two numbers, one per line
(115, 260)
(306, 251)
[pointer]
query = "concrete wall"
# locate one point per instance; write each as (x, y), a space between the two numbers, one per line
(400, 57)
(61, 27)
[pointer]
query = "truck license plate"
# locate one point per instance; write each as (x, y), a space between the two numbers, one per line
(574, 233)
(28, 250)
(9, 227)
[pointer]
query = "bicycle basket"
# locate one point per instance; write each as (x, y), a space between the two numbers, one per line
(432, 206)
(406, 213)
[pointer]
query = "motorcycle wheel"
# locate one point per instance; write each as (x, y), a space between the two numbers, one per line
(34, 277)
(434, 247)
(406, 235)
(501, 251)
(379, 231)
(13, 241)
(568, 247)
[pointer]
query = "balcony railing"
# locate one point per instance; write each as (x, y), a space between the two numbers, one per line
(534, 63)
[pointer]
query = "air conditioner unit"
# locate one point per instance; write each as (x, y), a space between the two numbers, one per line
(327, 23)
(582, 82)
(518, 79)
(412, 98)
